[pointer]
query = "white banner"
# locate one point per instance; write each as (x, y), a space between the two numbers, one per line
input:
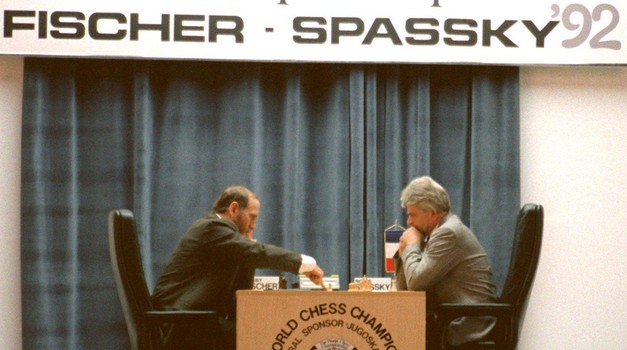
(563, 32)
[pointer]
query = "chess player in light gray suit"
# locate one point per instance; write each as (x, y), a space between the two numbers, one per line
(440, 255)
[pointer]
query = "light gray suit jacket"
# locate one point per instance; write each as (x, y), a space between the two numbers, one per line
(452, 268)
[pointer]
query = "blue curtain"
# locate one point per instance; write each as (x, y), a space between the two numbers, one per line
(328, 148)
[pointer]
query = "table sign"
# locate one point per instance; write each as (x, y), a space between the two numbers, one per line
(379, 284)
(331, 282)
(336, 320)
(266, 283)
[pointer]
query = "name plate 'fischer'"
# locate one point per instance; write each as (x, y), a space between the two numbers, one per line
(315, 320)
(266, 283)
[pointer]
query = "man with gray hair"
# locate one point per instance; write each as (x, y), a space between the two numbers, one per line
(440, 255)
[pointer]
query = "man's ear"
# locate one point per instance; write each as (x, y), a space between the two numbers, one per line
(233, 209)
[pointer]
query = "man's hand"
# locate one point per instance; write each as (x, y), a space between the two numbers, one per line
(410, 236)
(249, 234)
(315, 275)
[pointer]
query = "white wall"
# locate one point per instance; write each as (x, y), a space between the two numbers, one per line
(574, 163)
(11, 69)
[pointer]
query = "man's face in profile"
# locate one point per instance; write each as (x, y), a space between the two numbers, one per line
(422, 220)
(246, 219)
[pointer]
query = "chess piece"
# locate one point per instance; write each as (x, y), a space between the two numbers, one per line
(365, 285)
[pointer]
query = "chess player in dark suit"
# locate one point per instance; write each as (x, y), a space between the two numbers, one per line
(217, 256)
(440, 255)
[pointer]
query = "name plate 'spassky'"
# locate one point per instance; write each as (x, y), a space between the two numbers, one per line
(313, 320)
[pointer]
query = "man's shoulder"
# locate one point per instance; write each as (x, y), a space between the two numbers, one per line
(451, 229)
(451, 219)
(212, 223)
(465, 237)
(453, 223)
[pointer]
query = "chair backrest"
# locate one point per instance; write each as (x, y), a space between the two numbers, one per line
(524, 259)
(128, 270)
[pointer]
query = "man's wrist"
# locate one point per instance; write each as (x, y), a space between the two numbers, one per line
(308, 264)
(411, 247)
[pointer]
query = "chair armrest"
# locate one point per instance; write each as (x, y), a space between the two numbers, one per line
(154, 318)
(451, 311)
(504, 313)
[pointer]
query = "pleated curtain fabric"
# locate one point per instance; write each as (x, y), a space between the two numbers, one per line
(327, 147)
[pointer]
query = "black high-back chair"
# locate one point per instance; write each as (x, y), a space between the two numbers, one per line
(142, 321)
(509, 311)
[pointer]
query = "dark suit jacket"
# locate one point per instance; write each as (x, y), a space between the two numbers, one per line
(211, 262)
